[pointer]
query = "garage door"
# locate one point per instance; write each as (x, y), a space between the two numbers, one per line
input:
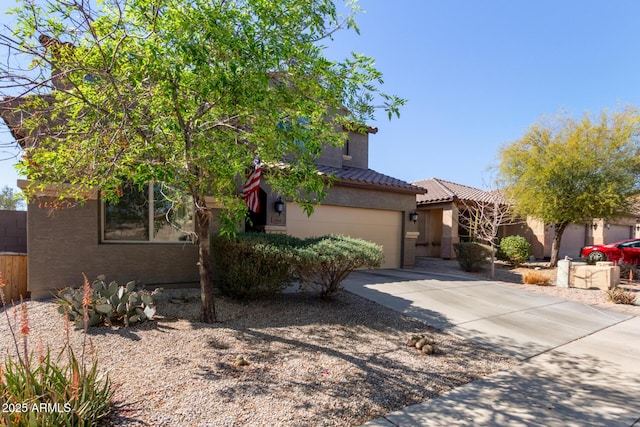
(618, 232)
(378, 226)
(573, 240)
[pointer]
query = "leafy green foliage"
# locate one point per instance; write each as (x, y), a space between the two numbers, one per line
(326, 261)
(110, 304)
(516, 249)
(54, 391)
(187, 94)
(471, 256)
(42, 389)
(253, 265)
(8, 200)
(571, 171)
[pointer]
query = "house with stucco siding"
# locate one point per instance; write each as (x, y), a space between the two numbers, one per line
(133, 240)
(440, 208)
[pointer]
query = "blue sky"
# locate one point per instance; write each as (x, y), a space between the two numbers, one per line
(478, 73)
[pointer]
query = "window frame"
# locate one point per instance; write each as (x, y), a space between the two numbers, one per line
(150, 217)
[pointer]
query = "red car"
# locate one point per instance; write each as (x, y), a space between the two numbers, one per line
(625, 251)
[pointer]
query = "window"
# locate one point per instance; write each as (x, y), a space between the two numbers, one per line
(151, 214)
(303, 124)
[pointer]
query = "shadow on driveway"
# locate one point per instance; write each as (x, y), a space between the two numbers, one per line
(555, 389)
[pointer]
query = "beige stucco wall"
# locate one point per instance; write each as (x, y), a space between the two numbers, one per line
(438, 230)
(383, 227)
(377, 200)
(431, 228)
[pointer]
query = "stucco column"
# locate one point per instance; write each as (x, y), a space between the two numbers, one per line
(599, 234)
(409, 250)
(449, 231)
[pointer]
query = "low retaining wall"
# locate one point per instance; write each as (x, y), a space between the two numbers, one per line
(600, 276)
(13, 268)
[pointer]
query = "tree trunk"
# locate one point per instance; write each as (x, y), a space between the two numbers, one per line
(492, 275)
(202, 221)
(555, 247)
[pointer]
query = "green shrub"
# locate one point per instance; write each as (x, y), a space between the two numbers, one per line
(110, 304)
(252, 265)
(324, 262)
(42, 390)
(516, 249)
(471, 256)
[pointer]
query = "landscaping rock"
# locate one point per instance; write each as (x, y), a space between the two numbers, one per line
(423, 343)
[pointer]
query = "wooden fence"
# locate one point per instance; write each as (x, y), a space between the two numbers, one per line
(13, 268)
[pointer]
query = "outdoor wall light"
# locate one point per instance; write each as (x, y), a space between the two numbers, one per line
(594, 226)
(637, 227)
(278, 205)
(413, 216)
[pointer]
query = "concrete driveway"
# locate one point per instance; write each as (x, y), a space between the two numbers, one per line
(580, 366)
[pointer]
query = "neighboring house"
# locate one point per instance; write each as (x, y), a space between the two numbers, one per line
(439, 212)
(439, 216)
(577, 236)
(133, 241)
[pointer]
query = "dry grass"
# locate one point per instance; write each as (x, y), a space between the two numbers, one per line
(620, 296)
(534, 277)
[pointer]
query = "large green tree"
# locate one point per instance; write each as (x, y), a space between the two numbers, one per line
(8, 200)
(186, 93)
(566, 171)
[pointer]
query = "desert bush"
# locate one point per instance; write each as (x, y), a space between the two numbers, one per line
(46, 390)
(629, 272)
(252, 265)
(471, 256)
(535, 277)
(110, 304)
(618, 295)
(515, 249)
(324, 262)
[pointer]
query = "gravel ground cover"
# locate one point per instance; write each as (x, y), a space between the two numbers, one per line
(309, 362)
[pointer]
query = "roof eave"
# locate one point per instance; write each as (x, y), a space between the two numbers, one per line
(381, 187)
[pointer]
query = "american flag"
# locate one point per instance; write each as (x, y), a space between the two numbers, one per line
(251, 190)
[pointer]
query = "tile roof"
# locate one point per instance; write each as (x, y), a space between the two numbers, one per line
(439, 190)
(358, 176)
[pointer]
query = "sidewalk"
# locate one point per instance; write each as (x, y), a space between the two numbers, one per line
(580, 365)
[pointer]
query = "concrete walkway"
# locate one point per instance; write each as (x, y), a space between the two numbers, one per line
(580, 366)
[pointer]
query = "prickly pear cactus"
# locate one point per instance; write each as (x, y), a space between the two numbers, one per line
(107, 303)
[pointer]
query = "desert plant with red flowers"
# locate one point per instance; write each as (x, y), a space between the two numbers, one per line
(46, 389)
